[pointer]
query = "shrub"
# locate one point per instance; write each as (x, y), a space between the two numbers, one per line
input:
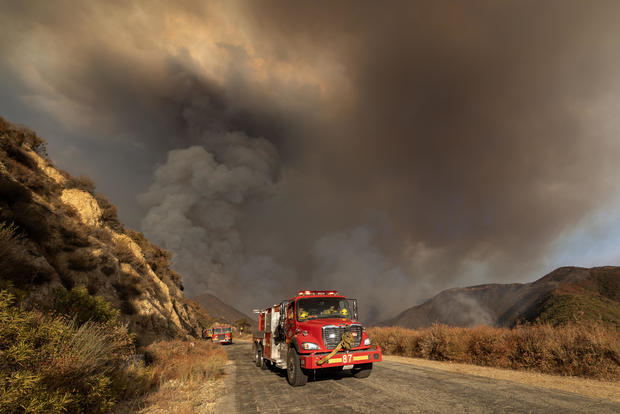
(15, 262)
(109, 213)
(78, 304)
(18, 135)
(82, 260)
(73, 235)
(82, 183)
(13, 192)
(49, 364)
(10, 249)
(122, 250)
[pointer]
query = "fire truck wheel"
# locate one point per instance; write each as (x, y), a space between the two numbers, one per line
(264, 362)
(294, 374)
(257, 354)
(362, 370)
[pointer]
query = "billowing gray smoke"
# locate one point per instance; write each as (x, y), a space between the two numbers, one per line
(195, 204)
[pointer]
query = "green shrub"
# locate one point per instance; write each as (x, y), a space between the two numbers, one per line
(78, 304)
(50, 364)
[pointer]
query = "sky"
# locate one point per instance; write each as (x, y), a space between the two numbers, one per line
(389, 152)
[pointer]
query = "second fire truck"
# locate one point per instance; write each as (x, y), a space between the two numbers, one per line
(221, 334)
(316, 329)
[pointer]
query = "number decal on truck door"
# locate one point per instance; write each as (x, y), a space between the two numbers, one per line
(346, 358)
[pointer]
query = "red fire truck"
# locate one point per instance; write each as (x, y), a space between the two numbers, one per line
(316, 329)
(222, 334)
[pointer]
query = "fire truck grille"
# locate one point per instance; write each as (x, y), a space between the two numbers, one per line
(221, 337)
(333, 334)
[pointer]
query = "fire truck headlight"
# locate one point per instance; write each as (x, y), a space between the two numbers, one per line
(367, 341)
(309, 345)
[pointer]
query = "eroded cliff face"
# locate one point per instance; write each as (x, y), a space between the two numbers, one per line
(69, 236)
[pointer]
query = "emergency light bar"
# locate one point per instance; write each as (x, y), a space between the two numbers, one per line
(317, 292)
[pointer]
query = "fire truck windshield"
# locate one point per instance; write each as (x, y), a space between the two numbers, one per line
(317, 308)
(217, 330)
(227, 330)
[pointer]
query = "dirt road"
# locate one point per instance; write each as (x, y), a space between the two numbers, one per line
(393, 387)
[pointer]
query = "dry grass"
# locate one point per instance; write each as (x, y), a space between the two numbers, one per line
(191, 362)
(578, 349)
(186, 374)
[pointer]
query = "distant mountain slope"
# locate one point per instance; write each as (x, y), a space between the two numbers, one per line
(221, 311)
(565, 294)
(57, 233)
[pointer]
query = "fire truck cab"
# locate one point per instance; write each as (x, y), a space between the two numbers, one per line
(314, 330)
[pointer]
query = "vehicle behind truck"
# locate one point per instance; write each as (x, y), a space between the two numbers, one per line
(315, 330)
(222, 334)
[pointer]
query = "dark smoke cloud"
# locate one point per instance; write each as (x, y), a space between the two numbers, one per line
(389, 152)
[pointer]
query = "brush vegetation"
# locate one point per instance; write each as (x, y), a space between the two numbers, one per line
(583, 349)
(51, 363)
(77, 358)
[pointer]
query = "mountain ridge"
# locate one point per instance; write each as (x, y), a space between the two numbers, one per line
(566, 293)
(221, 311)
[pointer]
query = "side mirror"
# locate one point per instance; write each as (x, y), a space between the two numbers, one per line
(353, 303)
(282, 321)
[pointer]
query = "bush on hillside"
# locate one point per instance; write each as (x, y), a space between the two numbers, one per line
(21, 135)
(109, 213)
(15, 264)
(78, 304)
(82, 182)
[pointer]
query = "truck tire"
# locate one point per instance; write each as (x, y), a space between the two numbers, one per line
(362, 370)
(294, 374)
(263, 363)
(257, 354)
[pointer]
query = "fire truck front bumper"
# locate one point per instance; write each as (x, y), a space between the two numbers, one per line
(342, 359)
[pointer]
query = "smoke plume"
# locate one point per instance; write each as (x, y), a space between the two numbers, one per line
(196, 201)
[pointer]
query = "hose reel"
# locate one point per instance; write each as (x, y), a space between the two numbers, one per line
(346, 342)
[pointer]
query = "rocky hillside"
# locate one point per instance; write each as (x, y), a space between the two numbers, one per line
(566, 294)
(221, 311)
(57, 233)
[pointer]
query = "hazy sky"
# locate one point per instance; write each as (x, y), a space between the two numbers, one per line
(389, 152)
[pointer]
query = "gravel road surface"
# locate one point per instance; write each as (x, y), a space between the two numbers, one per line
(393, 387)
